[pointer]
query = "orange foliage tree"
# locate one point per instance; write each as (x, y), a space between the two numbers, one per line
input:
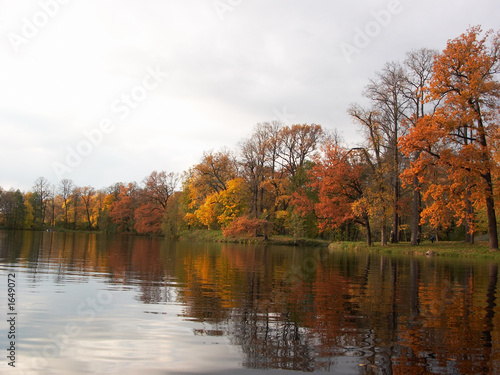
(337, 177)
(154, 197)
(460, 137)
(122, 210)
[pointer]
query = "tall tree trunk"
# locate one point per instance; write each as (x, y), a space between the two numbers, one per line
(415, 225)
(75, 213)
(89, 224)
(490, 203)
(65, 214)
(395, 218)
(368, 231)
(469, 234)
(384, 232)
(492, 220)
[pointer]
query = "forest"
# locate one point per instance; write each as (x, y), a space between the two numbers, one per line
(428, 166)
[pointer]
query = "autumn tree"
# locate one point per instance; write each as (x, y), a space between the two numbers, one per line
(338, 178)
(64, 190)
(172, 218)
(256, 161)
(87, 194)
(233, 201)
(41, 193)
(160, 186)
(76, 194)
(387, 93)
(51, 205)
(461, 136)
(123, 208)
(98, 207)
(214, 171)
(12, 209)
(107, 198)
(29, 218)
(298, 142)
(418, 64)
(153, 201)
(378, 195)
(204, 182)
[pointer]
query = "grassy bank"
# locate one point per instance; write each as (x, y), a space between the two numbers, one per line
(217, 236)
(442, 248)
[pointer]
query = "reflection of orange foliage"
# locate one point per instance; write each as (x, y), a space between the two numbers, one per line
(329, 323)
(209, 283)
(399, 315)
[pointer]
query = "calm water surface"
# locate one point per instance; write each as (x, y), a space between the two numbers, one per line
(91, 304)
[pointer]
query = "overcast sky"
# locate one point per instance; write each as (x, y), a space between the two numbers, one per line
(102, 91)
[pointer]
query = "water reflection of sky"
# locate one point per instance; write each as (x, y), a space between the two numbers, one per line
(123, 336)
(127, 305)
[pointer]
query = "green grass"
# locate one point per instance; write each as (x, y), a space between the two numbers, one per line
(442, 248)
(217, 236)
(202, 235)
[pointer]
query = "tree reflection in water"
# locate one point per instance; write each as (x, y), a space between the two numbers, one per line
(340, 312)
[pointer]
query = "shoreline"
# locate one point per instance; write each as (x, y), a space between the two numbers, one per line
(458, 249)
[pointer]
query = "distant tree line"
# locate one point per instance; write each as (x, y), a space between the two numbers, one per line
(428, 166)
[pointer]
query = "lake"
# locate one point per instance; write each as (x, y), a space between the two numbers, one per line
(96, 304)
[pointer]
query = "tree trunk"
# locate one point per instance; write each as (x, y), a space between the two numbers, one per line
(384, 235)
(65, 214)
(415, 225)
(492, 220)
(88, 220)
(76, 213)
(395, 217)
(469, 234)
(368, 232)
(490, 203)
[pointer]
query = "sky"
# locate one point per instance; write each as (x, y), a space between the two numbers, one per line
(106, 91)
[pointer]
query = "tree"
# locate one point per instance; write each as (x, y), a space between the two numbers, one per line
(29, 218)
(338, 178)
(65, 190)
(233, 201)
(387, 92)
(377, 194)
(148, 218)
(298, 142)
(418, 66)
(159, 187)
(255, 158)
(51, 204)
(41, 193)
(87, 193)
(76, 193)
(203, 184)
(153, 201)
(212, 174)
(12, 208)
(123, 208)
(462, 134)
(172, 218)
